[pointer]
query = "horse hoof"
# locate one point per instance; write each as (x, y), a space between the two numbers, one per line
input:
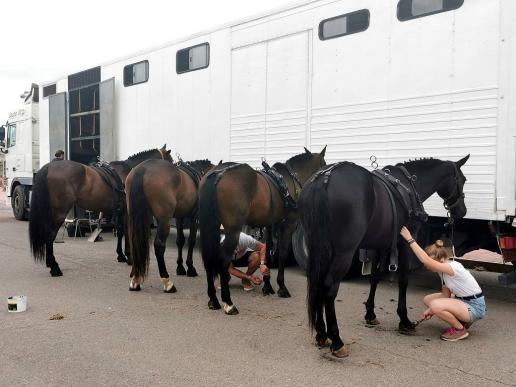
(372, 322)
(214, 305)
(191, 272)
(407, 328)
(129, 261)
(121, 258)
(283, 293)
(180, 270)
(135, 289)
(267, 290)
(323, 342)
(230, 310)
(55, 271)
(341, 352)
(171, 290)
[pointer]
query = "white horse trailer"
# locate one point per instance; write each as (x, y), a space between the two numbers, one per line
(397, 79)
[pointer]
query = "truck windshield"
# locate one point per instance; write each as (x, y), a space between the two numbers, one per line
(11, 135)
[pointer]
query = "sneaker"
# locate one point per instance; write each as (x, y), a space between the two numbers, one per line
(454, 334)
(466, 325)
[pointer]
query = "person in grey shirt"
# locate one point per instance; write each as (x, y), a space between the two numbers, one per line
(249, 253)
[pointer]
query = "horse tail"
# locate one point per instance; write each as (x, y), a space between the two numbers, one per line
(209, 225)
(315, 217)
(40, 215)
(138, 224)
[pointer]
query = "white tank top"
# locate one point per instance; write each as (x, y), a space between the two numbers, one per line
(461, 283)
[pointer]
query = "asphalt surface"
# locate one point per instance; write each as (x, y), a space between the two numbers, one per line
(112, 337)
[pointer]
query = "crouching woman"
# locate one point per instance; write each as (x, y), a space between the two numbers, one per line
(461, 301)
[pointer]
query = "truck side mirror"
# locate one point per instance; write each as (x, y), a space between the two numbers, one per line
(2, 139)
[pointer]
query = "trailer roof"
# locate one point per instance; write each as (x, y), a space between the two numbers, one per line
(247, 19)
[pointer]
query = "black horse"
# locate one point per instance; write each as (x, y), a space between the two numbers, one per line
(345, 209)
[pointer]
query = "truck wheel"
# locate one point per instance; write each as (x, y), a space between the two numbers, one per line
(299, 247)
(18, 203)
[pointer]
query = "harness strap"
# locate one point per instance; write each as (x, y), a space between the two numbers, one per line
(270, 249)
(393, 256)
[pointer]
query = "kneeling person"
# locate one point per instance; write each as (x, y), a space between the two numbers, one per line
(249, 253)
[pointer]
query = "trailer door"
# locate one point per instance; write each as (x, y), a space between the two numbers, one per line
(107, 143)
(57, 123)
(269, 99)
(287, 96)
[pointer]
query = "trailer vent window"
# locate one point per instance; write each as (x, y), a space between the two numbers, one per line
(84, 78)
(49, 90)
(342, 25)
(413, 9)
(193, 58)
(136, 73)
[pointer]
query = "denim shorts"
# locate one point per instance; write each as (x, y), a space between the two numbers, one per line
(477, 308)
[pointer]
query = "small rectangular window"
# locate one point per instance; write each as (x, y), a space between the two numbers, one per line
(11, 135)
(347, 24)
(413, 9)
(193, 58)
(49, 90)
(136, 73)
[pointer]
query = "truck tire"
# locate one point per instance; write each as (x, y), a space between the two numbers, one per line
(299, 247)
(18, 203)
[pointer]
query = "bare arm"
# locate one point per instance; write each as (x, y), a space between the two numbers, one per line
(430, 264)
(262, 249)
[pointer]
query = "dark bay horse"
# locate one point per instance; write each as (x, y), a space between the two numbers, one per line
(234, 195)
(59, 185)
(163, 190)
(348, 209)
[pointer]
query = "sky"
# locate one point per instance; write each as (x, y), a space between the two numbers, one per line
(42, 40)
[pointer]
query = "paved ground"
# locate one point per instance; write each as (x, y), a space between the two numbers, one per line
(110, 336)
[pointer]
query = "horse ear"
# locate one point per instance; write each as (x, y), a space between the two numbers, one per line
(168, 152)
(306, 150)
(461, 162)
(323, 152)
(164, 147)
(220, 162)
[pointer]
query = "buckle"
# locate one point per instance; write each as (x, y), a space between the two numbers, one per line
(393, 267)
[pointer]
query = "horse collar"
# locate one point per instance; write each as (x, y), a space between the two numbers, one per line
(297, 183)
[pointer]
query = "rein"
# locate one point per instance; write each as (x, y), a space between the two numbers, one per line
(297, 183)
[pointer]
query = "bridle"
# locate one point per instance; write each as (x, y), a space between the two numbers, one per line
(448, 204)
(297, 183)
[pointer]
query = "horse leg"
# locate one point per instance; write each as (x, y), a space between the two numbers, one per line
(405, 324)
(51, 262)
(160, 243)
(192, 238)
(370, 316)
(267, 287)
(119, 235)
(226, 250)
(285, 239)
(180, 242)
(337, 346)
(213, 303)
(321, 337)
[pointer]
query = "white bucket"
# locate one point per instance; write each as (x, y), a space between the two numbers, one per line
(16, 304)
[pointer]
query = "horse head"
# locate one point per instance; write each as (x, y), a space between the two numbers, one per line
(306, 164)
(452, 189)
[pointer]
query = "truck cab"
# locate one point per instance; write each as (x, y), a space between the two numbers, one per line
(21, 149)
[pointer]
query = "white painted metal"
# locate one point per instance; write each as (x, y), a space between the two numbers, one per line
(441, 86)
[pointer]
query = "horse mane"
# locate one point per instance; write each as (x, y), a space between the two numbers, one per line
(299, 158)
(426, 162)
(142, 154)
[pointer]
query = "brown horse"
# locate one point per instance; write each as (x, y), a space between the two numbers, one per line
(235, 195)
(163, 190)
(59, 185)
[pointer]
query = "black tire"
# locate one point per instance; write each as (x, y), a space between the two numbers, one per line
(299, 247)
(19, 203)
